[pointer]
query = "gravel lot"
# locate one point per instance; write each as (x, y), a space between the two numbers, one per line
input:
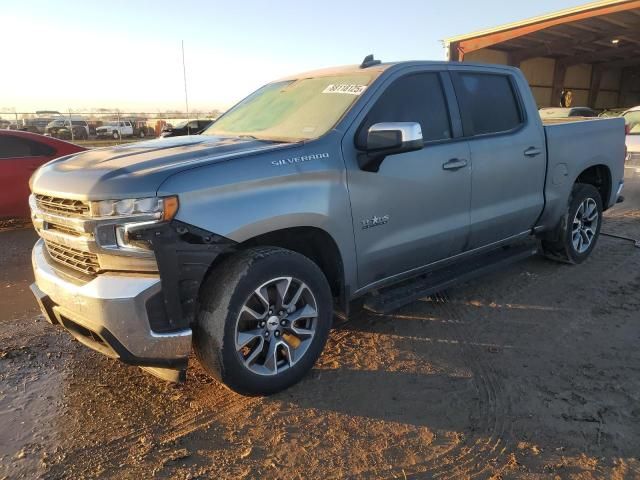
(529, 373)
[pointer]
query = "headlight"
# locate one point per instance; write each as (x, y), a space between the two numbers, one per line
(164, 208)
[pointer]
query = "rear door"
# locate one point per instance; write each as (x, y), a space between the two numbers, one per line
(508, 152)
(19, 158)
(414, 210)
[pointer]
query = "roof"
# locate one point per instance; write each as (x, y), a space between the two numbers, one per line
(603, 31)
(379, 68)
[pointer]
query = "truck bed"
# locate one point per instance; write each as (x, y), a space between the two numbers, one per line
(571, 146)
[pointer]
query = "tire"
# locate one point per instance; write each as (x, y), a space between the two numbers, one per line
(223, 324)
(574, 243)
(141, 134)
(115, 135)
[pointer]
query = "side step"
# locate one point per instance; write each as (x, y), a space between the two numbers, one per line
(391, 298)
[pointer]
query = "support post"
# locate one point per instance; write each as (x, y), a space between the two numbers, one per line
(594, 89)
(559, 72)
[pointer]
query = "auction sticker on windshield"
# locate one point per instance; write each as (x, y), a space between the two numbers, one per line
(349, 89)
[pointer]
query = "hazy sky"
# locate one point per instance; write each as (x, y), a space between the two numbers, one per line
(126, 54)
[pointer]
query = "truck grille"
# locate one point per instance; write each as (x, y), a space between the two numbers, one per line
(62, 206)
(84, 262)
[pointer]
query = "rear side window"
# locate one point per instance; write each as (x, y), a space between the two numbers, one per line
(13, 147)
(413, 98)
(488, 103)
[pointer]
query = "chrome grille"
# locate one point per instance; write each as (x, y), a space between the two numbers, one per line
(63, 206)
(63, 229)
(84, 262)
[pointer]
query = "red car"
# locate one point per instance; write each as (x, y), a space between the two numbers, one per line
(21, 153)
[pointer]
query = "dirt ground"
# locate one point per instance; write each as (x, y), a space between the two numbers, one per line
(530, 373)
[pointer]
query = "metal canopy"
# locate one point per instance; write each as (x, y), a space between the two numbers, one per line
(606, 32)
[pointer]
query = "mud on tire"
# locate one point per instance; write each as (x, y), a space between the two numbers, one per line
(234, 308)
(579, 228)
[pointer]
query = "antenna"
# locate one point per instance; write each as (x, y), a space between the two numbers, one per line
(186, 98)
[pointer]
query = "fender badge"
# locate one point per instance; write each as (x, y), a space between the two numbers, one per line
(300, 159)
(374, 221)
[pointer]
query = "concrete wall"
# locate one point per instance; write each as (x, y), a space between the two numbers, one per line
(487, 55)
(539, 73)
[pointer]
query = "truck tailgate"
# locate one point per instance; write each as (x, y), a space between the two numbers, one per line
(572, 148)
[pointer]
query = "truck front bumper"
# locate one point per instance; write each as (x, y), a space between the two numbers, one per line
(110, 314)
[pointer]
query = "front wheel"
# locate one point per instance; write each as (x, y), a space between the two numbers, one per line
(580, 227)
(264, 320)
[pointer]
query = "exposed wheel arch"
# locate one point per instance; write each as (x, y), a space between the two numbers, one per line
(600, 177)
(312, 242)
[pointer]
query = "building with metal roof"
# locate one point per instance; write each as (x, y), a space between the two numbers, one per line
(593, 51)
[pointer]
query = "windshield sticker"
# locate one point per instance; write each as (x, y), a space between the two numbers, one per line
(346, 88)
(301, 159)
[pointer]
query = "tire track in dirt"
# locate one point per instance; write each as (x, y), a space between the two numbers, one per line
(471, 460)
(118, 451)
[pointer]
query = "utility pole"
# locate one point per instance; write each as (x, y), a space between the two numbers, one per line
(186, 98)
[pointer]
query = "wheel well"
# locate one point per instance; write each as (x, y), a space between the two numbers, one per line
(314, 243)
(600, 177)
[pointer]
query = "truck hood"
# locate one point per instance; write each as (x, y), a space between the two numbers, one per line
(137, 169)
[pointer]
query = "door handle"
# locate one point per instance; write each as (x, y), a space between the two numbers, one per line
(532, 152)
(454, 164)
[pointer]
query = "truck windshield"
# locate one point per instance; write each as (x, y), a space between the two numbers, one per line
(632, 121)
(292, 110)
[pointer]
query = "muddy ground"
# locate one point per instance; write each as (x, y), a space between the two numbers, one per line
(530, 373)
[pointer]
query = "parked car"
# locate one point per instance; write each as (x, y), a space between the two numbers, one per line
(115, 129)
(561, 112)
(4, 124)
(632, 126)
(39, 123)
(21, 153)
(611, 112)
(62, 129)
(142, 130)
(386, 182)
(191, 127)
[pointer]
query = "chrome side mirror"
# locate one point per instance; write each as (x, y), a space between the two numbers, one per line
(389, 138)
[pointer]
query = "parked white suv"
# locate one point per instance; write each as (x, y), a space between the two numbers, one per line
(115, 130)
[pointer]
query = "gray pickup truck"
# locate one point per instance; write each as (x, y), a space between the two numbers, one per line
(384, 182)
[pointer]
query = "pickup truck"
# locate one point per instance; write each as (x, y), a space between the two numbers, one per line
(378, 182)
(115, 130)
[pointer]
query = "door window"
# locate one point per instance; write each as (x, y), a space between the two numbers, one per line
(12, 147)
(487, 103)
(412, 98)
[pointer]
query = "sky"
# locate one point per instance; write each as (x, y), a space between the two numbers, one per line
(88, 54)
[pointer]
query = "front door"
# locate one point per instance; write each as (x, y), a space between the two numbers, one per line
(415, 210)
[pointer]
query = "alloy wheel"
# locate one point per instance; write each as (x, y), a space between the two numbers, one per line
(276, 325)
(585, 225)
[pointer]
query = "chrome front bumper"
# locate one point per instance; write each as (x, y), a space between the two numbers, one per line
(109, 314)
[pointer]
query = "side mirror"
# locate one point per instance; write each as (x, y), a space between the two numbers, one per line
(389, 138)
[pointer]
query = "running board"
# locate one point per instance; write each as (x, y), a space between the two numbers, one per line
(391, 298)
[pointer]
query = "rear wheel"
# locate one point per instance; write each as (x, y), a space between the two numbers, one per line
(115, 135)
(264, 320)
(580, 227)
